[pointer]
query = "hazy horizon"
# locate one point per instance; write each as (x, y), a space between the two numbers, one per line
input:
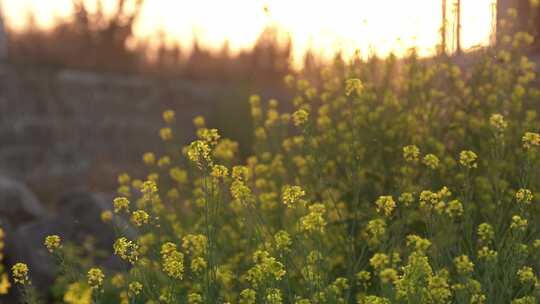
(325, 27)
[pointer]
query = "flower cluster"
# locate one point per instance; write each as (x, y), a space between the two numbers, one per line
(52, 242)
(346, 207)
(95, 278)
(172, 261)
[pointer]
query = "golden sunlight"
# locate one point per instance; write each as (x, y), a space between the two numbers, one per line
(324, 26)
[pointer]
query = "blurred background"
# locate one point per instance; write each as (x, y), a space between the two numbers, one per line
(83, 83)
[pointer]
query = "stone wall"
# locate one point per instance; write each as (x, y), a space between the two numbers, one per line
(73, 128)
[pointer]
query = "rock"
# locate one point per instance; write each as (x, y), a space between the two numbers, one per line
(25, 245)
(18, 204)
(78, 219)
(81, 213)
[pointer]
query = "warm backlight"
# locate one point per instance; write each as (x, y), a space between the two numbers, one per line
(380, 26)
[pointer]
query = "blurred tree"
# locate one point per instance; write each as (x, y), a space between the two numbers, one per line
(528, 16)
(94, 39)
(3, 36)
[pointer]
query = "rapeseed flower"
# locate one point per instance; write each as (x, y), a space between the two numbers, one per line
(20, 273)
(292, 195)
(121, 204)
(300, 117)
(411, 153)
(385, 205)
(468, 159)
(53, 242)
(524, 196)
(463, 265)
(530, 140)
(95, 278)
(168, 116)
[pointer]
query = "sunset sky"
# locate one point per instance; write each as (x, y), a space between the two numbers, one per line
(325, 26)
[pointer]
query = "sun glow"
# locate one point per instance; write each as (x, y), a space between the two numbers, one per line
(324, 26)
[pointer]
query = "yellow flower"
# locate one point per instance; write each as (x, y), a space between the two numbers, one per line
(524, 196)
(525, 299)
(379, 261)
(464, 266)
(124, 179)
(195, 244)
(20, 273)
(219, 171)
(300, 117)
(487, 254)
(497, 122)
(353, 85)
(240, 173)
(154, 177)
(282, 240)
(519, 223)
(165, 134)
(439, 288)
(292, 195)
(311, 93)
(198, 264)
(388, 275)
(178, 175)
(375, 232)
(431, 161)
(139, 218)
(526, 275)
(199, 153)
(255, 100)
(106, 216)
(240, 191)
(121, 204)
(194, 298)
(364, 277)
(314, 221)
(199, 122)
(468, 159)
(137, 183)
(530, 140)
(419, 244)
(126, 250)
(118, 280)
(164, 161)
(273, 296)
(411, 153)
(78, 293)
(168, 116)
(225, 149)
(454, 209)
(209, 136)
(95, 278)
(172, 261)
(149, 158)
(260, 134)
(373, 300)
(149, 187)
(303, 84)
(248, 296)
(135, 288)
(406, 198)
(385, 204)
(4, 284)
(52, 242)
(485, 232)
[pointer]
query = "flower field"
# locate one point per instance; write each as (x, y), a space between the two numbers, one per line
(392, 181)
